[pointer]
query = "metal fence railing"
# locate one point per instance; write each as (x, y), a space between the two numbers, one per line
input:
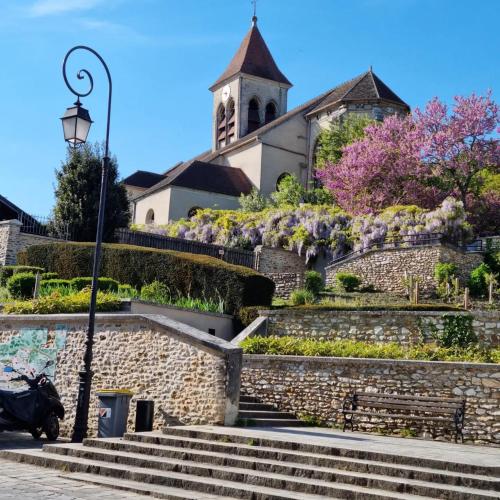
(413, 240)
(44, 226)
(235, 256)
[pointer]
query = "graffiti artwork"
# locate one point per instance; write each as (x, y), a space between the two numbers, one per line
(28, 353)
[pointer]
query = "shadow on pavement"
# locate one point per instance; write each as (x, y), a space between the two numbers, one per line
(20, 440)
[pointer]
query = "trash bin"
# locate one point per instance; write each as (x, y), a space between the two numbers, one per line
(144, 416)
(113, 412)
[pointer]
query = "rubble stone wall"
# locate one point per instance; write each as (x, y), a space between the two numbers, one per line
(192, 377)
(285, 268)
(13, 241)
(385, 268)
(403, 327)
(316, 386)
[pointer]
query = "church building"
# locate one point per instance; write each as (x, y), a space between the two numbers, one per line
(256, 141)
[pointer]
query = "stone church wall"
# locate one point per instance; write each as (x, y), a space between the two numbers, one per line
(385, 268)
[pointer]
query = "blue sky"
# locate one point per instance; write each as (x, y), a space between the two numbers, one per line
(164, 54)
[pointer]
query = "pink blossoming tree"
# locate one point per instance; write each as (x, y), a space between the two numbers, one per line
(419, 159)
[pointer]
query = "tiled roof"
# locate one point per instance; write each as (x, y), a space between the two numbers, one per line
(143, 179)
(365, 87)
(203, 176)
(253, 58)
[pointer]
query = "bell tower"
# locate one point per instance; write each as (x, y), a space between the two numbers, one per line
(250, 93)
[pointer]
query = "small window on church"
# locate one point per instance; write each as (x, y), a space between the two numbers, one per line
(192, 211)
(150, 216)
(270, 112)
(253, 115)
(284, 175)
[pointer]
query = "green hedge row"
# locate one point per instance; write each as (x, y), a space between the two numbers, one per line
(293, 346)
(8, 271)
(197, 276)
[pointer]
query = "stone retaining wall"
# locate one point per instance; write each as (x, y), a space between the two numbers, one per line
(404, 327)
(191, 376)
(13, 241)
(316, 386)
(385, 268)
(285, 268)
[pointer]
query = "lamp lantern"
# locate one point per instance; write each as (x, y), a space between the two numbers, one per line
(76, 124)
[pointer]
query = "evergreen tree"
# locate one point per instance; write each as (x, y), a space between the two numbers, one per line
(77, 195)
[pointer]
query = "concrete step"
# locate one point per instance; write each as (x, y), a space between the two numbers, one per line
(151, 490)
(206, 439)
(270, 422)
(317, 466)
(267, 414)
(248, 399)
(250, 488)
(323, 482)
(256, 406)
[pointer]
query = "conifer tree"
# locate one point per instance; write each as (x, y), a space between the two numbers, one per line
(77, 195)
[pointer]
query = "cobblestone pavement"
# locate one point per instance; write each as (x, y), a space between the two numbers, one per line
(29, 482)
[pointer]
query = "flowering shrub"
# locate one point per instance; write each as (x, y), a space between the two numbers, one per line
(411, 223)
(307, 229)
(303, 229)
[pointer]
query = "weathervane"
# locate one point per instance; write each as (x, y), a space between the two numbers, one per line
(254, 18)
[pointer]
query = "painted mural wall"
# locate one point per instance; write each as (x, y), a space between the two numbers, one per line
(28, 353)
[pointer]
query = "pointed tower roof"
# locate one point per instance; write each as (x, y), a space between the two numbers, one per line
(365, 87)
(253, 58)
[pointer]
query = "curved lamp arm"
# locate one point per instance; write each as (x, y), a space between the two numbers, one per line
(81, 75)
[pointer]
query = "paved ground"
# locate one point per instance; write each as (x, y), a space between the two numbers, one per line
(28, 482)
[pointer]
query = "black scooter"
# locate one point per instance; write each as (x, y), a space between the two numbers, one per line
(36, 410)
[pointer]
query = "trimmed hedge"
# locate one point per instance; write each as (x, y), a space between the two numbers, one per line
(196, 276)
(104, 284)
(21, 285)
(49, 276)
(7, 271)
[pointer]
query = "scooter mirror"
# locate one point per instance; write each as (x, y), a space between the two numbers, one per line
(49, 363)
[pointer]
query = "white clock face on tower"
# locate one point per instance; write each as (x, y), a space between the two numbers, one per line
(226, 92)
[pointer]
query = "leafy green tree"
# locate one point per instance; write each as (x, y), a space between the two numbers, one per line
(253, 202)
(342, 132)
(77, 195)
(290, 192)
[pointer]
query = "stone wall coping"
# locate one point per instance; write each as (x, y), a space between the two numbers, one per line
(392, 249)
(258, 325)
(11, 222)
(491, 367)
(494, 315)
(177, 308)
(183, 332)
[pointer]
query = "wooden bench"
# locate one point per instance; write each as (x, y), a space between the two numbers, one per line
(447, 411)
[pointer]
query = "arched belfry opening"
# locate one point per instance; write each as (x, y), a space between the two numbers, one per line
(226, 129)
(253, 115)
(271, 112)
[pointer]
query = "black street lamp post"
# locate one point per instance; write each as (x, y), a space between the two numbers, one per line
(76, 124)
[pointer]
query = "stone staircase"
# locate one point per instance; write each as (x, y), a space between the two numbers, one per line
(209, 462)
(254, 413)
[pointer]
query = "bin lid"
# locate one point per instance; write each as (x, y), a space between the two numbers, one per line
(122, 392)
